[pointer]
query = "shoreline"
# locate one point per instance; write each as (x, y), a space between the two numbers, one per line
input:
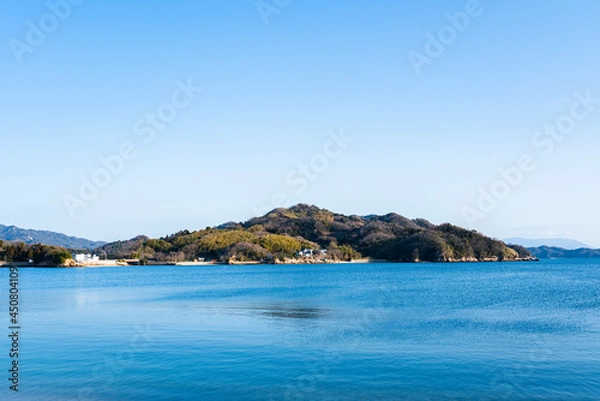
(251, 263)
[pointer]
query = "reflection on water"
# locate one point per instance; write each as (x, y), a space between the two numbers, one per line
(289, 312)
(277, 310)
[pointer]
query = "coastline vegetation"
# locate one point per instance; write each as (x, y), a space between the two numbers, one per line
(281, 234)
(300, 234)
(38, 255)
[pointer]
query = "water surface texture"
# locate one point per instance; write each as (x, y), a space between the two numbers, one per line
(317, 332)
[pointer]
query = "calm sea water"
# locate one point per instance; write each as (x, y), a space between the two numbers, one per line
(335, 332)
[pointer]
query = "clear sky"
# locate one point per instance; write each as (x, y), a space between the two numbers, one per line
(79, 85)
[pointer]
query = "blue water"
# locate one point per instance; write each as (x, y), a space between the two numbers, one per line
(480, 331)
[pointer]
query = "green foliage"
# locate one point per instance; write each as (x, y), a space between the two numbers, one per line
(158, 245)
(283, 232)
(424, 246)
(220, 240)
(41, 255)
(245, 251)
(124, 249)
(58, 256)
(281, 244)
(509, 254)
(522, 252)
(348, 253)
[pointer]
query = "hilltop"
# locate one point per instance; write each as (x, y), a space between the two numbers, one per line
(30, 237)
(278, 236)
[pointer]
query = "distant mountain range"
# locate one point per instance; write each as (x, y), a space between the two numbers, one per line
(16, 234)
(552, 252)
(564, 243)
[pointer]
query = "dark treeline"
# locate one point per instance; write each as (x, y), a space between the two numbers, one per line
(40, 255)
(283, 232)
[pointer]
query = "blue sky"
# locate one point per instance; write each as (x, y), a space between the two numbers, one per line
(272, 94)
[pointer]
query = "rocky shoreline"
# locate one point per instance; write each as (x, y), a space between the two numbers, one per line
(73, 264)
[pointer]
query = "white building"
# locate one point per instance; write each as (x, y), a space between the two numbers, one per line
(306, 253)
(86, 258)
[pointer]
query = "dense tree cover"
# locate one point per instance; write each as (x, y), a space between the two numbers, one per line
(391, 237)
(522, 251)
(212, 243)
(41, 255)
(281, 233)
(123, 249)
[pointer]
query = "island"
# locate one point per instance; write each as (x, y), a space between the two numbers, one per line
(300, 234)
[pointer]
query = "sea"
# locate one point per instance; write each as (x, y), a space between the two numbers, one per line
(426, 331)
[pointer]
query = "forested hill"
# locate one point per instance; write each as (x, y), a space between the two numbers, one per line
(16, 234)
(281, 233)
